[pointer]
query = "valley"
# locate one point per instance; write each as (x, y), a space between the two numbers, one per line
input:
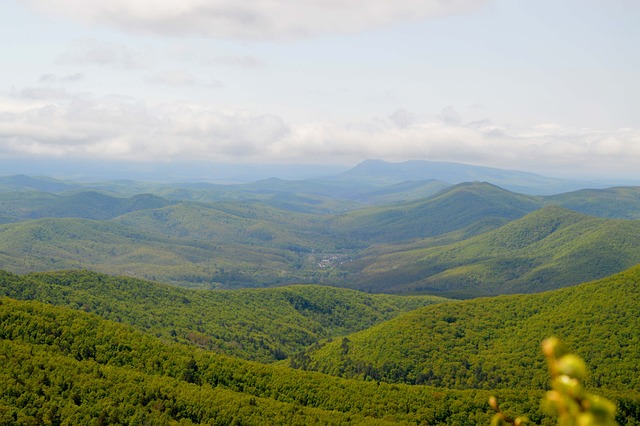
(360, 301)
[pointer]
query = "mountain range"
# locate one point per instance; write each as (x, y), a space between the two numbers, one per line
(385, 294)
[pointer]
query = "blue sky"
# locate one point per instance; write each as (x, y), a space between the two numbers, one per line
(544, 86)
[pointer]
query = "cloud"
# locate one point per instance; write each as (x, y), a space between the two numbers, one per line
(95, 52)
(181, 78)
(258, 19)
(127, 129)
(53, 78)
(241, 61)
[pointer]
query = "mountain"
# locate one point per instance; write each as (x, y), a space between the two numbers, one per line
(258, 324)
(64, 366)
(523, 182)
(23, 182)
(549, 248)
(451, 209)
(491, 343)
(67, 243)
(618, 202)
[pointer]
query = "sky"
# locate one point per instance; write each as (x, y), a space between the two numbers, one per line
(548, 86)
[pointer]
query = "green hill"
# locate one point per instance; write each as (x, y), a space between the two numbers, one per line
(258, 324)
(86, 204)
(620, 202)
(492, 343)
(227, 245)
(62, 366)
(454, 208)
(67, 366)
(549, 248)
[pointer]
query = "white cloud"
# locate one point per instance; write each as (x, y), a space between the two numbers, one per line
(241, 61)
(53, 78)
(181, 78)
(257, 19)
(95, 52)
(121, 128)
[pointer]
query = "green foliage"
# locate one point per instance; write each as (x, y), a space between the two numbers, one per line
(620, 202)
(64, 366)
(568, 400)
(274, 231)
(259, 324)
(87, 205)
(549, 248)
(195, 245)
(490, 343)
(68, 366)
(454, 208)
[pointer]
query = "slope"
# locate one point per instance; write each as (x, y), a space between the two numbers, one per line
(258, 324)
(64, 366)
(454, 208)
(193, 244)
(454, 173)
(491, 342)
(549, 248)
(85, 204)
(618, 202)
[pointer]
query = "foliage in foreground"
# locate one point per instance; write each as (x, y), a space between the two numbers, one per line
(568, 401)
(78, 368)
(62, 366)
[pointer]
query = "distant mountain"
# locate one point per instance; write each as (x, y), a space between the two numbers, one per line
(549, 248)
(94, 205)
(23, 182)
(88, 170)
(86, 204)
(517, 181)
(491, 343)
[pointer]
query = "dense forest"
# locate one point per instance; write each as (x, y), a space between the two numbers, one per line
(61, 363)
(140, 303)
(491, 343)
(260, 324)
(67, 366)
(273, 233)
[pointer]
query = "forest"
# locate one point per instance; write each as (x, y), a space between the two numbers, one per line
(311, 302)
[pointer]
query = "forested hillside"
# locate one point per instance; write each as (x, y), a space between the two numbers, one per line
(463, 241)
(549, 248)
(68, 366)
(454, 208)
(492, 343)
(258, 324)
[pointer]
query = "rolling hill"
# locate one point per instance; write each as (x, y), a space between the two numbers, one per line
(549, 248)
(259, 324)
(454, 208)
(275, 232)
(491, 343)
(85, 204)
(618, 202)
(68, 366)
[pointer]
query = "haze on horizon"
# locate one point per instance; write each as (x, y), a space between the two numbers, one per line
(546, 86)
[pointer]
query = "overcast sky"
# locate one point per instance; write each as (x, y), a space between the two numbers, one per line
(550, 86)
